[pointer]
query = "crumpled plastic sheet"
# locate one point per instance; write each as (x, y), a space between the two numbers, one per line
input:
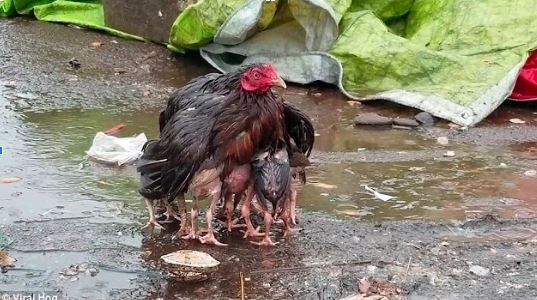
(115, 150)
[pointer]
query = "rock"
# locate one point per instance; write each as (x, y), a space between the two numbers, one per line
(479, 271)
(406, 122)
(317, 95)
(449, 154)
(517, 121)
(425, 118)
(372, 119)
(443, 140)
(531, 173)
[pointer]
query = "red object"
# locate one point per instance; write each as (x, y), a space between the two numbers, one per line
(526, 84)
(115, 129)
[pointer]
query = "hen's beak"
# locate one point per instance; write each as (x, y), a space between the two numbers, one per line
(279, 82)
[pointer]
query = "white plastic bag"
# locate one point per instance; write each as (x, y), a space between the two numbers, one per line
(114, 150)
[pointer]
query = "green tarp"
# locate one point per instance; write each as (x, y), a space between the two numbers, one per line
(456, 59)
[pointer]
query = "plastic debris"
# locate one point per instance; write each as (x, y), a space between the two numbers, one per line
(378, 195)
(114, 150)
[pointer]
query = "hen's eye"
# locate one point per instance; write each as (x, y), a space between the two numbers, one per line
(257, 75)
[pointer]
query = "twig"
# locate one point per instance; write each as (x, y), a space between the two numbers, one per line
(407, 268)
(242, 285)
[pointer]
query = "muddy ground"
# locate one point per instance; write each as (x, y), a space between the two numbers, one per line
(451, 215)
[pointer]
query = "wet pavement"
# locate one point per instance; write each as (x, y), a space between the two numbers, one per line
(67, 210)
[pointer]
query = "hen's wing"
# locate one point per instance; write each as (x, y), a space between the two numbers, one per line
(299, 128)
(185, 144)
(187, 96)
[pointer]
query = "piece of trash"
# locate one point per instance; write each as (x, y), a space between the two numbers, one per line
(115, 129)
(317, 95)
(97, 44)
(449, 153)
(324, 194)
(349, 171)
(416, 169)
(531, 173)
(9, 179)
(74, 63)
(190, 258)
(517, 121)
(189, 265)
(378, 195)
(503, 165)
(479, 270)
(323, 185)
(443, 140)
(114, 150)
(160, 13)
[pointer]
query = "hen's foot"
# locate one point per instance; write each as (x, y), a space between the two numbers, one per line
(210, 239)
(152, 224)
(250, 231)
(265, 242)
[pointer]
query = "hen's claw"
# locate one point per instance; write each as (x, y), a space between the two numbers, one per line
(152, 224)
(265, 242)
(210, 240)
(251, 232)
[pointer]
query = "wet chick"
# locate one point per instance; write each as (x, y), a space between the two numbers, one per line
(272, 184)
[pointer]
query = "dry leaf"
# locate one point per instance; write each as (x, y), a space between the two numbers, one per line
(9, 179)
(6, 260)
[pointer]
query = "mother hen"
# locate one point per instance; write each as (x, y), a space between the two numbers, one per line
(216, 136)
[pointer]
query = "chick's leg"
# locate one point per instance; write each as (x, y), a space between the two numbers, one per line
(266, 240)
(245, 211)
(209, 238)
(152, 223)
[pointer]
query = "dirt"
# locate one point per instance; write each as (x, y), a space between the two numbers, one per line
(459, 227)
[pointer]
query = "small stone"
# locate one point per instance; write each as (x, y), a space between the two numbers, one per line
(406, 122)
(479, 270)
(425, 118)
(445, 244)
(266, 285)
(371, 269)
(372, 119)
(449, 154)
(517, 121)
(503, 165)
(443, 140)
(317, 95)
(93, 272)
(531, 173)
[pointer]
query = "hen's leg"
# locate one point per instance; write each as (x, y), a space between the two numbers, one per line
(245, 211)
(170, 213)
(193, 234)
(266, 240)
(182, 210)
(292, 205)
(152, 223)
(209, 237)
